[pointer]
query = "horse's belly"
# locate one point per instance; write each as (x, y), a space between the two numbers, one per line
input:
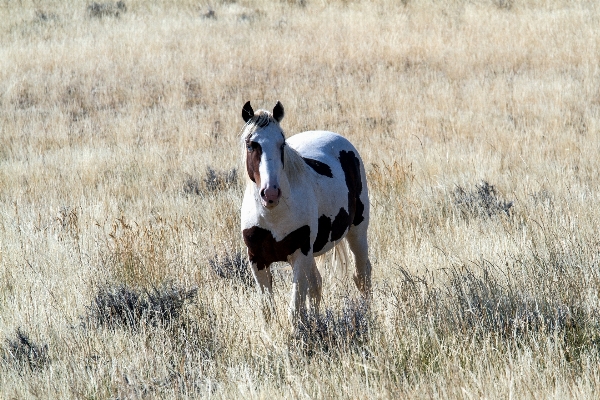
(328, 246)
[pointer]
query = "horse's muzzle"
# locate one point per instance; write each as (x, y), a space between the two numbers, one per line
(270, 196)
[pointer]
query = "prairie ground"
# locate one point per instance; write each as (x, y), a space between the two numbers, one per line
(121, 273)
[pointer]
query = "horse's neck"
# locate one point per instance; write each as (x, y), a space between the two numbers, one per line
(295, 167)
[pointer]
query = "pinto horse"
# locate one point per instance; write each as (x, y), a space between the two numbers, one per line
(304, 196)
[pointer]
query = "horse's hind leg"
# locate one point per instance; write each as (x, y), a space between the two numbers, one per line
(357, 240)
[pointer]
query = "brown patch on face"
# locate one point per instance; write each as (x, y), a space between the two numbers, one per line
(263, 249)
(351, 166)
(253, 155)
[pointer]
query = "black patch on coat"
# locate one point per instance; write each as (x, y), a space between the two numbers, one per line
(340, 224)
(263, 249)
(322, 233)
(351, 166)
(320, 167)
(360, 209)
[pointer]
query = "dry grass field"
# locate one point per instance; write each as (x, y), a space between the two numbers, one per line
(121, 183)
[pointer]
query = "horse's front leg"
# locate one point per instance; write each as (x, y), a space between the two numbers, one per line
(306, 282)
(264, 283)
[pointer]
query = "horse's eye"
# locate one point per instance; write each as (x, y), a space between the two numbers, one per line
(250, 146)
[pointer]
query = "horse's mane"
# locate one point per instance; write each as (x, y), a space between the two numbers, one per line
(293, 164)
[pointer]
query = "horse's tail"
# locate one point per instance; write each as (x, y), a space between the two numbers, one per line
(339, 261)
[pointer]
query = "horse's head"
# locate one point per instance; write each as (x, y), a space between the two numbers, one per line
(264, 146)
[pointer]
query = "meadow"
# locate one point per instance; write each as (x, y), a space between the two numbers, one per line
(122, 270)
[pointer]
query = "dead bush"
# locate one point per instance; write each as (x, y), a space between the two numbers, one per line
(342, 330)
(124, 307)
(214, 181)
(234, 267)
(220, 180)
(108, 9)
(484, 201)
(22, 352)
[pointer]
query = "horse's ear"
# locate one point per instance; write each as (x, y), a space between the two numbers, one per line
(278, 112)
(247, 112)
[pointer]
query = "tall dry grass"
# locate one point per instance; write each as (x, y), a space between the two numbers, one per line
(119, 240)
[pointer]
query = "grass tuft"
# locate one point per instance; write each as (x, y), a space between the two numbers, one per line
(341, 330)
(503, 4)
(234, 267)
(213, 181)
(220, 180)
(191, 186)
(108, 9)
(43, 16)
(483, 201)
(22, 352)
(138, 254)
(210, 14)
(482, 302)
(125, 307)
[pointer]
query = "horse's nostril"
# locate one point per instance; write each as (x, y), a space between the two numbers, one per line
(270, 201)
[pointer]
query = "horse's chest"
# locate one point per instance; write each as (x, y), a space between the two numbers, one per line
(263, 249)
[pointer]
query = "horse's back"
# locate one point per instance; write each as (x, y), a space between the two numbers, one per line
(320, 145)
(331, 151)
